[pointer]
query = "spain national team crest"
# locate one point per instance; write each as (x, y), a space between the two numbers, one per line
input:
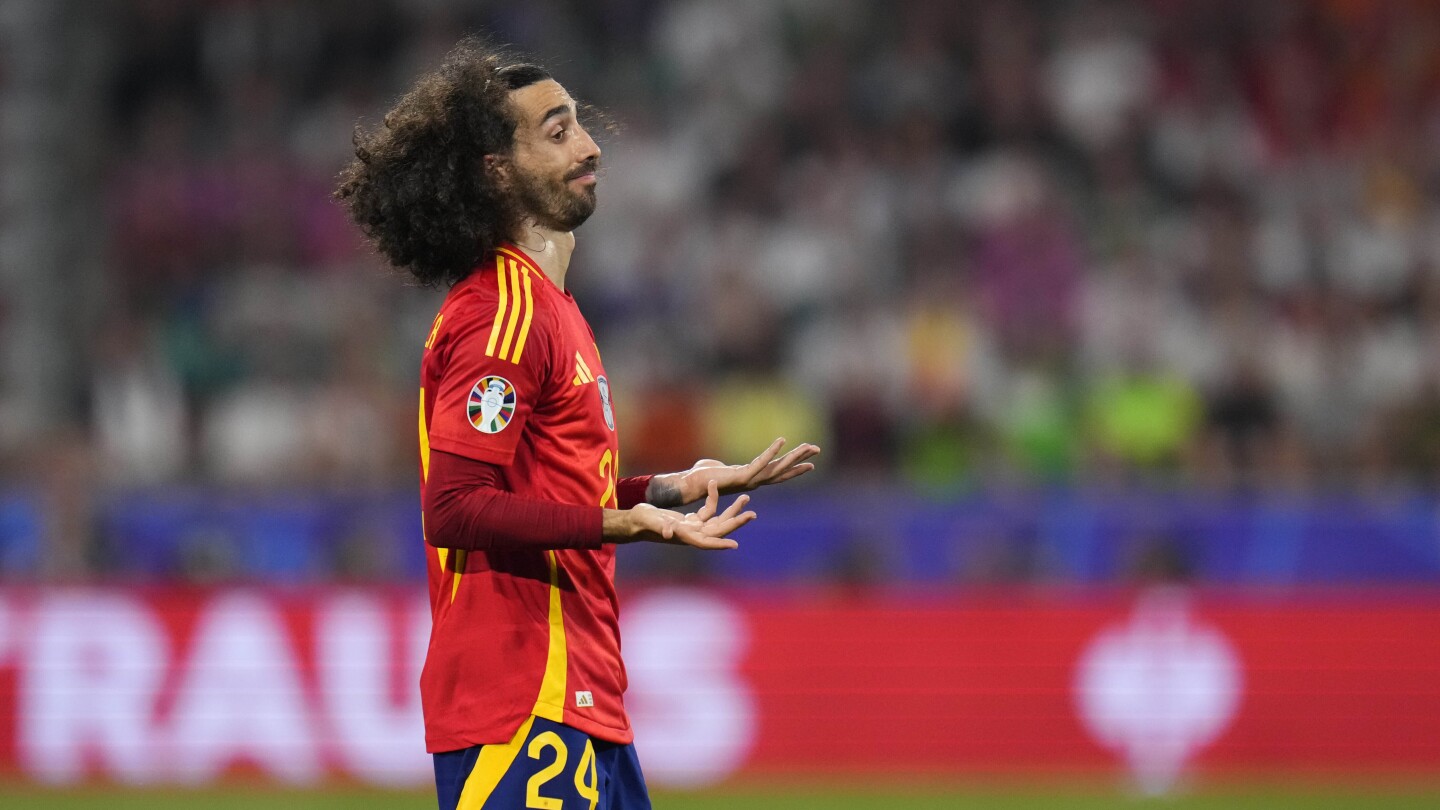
(604, 386)
(492, 404)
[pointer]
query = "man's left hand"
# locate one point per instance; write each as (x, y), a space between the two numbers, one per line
(767, 468)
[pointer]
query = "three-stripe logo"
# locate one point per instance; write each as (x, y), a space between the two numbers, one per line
(583, 374)
(517, 307)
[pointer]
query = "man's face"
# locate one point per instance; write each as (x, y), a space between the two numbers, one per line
(555, 160)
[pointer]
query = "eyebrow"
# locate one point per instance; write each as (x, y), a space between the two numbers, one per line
(558, 109)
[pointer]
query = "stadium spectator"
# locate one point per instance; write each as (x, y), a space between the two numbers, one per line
(944, 227)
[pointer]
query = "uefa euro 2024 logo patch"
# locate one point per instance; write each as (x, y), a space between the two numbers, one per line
(492, 404)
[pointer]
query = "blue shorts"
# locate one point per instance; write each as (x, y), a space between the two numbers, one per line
(546, 765)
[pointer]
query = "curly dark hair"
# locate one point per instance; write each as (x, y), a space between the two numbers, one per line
(418, 186)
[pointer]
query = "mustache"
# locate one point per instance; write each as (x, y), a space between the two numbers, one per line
(591, 166)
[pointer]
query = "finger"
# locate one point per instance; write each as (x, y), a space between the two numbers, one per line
(789, 460)
(732, 519)
(712, 499)
(692, 536)
(807, 452)
(766, 457)
(734, 508)
(723, 528)
(794, 472)
(712, 502)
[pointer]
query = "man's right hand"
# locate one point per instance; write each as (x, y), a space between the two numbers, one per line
(701, 529)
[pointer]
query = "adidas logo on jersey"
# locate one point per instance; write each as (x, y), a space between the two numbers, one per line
(582, 372)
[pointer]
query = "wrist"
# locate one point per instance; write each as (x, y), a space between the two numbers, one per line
(618, 526)
(669, 490)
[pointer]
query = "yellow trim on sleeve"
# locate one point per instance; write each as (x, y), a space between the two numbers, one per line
(490, 767)
(551, 702)
(529, 313)
(500, 311)
(515, 308)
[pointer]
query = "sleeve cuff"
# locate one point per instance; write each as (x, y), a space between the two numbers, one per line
(630, 492)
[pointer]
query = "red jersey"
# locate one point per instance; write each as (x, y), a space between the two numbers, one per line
(511, 377)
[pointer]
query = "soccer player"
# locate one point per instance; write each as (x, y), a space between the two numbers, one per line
(476, 180)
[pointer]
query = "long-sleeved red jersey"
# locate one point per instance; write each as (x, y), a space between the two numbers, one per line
(511, 377)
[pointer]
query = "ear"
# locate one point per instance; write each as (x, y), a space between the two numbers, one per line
(498, 168)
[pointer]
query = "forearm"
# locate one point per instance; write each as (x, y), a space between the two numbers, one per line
(465, 509)
(665, 491)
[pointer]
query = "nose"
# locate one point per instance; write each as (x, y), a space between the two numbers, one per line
(588, 149)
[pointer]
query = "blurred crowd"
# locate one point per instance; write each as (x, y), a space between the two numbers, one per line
(1179, 242)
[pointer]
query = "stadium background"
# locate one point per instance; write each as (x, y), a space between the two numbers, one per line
(1117, 322)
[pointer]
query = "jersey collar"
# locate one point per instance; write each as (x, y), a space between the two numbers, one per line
(509, 250)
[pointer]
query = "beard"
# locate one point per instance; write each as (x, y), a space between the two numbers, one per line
(552, 203)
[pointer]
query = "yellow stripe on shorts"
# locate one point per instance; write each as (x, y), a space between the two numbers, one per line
(490, 768)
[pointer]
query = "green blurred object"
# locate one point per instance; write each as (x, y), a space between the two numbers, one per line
(1037, 428)
(1143, 419)
(939, 457)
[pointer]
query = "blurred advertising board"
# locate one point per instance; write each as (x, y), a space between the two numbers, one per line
(304, 685)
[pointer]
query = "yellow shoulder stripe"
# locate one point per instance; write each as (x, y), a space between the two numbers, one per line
(524, 325)
(514, 309)
(499, 311)
(517, 308)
